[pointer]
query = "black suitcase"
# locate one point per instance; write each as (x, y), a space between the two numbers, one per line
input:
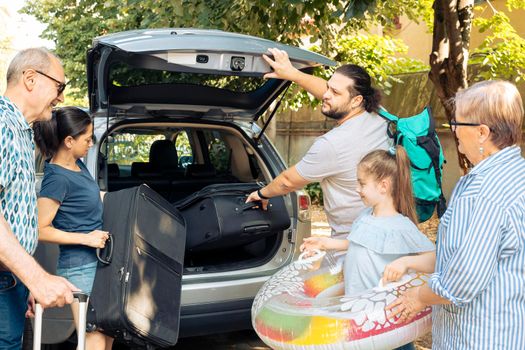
(137, 288)
(218, 217)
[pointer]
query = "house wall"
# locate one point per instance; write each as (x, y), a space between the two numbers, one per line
(419, 40)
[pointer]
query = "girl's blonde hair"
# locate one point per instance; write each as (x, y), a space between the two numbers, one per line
(392, 165)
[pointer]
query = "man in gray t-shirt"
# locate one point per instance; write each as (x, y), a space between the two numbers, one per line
(349, 98)
(332, 161)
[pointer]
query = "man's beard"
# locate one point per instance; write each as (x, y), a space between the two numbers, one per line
(336, 114)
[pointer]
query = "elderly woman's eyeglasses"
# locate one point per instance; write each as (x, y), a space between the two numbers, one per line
(453, 124)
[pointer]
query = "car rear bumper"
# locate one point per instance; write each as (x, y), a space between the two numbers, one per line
(211, 318)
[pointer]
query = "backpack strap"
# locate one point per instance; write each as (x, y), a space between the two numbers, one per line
(391, 129)
(430, 144)
(388, 116)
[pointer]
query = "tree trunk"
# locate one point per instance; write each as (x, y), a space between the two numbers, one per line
(450, 51)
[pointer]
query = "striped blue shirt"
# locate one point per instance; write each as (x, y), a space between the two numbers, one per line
(480, 264)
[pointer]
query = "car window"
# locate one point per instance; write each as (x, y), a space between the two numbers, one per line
(184, 151)
(127, 148)
(219, 152)
(124, 75)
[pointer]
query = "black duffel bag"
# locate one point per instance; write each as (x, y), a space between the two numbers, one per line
(218, 217)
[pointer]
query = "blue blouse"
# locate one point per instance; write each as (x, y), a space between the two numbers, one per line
(374, 243)
(480, 260)
(80, 208)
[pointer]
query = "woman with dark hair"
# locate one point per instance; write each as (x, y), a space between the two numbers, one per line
(70, 203)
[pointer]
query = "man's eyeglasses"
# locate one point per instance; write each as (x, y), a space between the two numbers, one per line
(453, 124)
(60, 87)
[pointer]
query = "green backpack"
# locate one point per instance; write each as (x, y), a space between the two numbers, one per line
(418, 136)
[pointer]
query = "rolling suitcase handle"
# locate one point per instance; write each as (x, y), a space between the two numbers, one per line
(108, 249)
(81, 329)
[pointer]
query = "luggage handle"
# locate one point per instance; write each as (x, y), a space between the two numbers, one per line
(81, 327)
(252, 205)
(106, 260)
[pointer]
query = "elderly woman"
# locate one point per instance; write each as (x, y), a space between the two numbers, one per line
(478, 288)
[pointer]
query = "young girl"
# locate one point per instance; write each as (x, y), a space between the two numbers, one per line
(386, 230)
(70, 203)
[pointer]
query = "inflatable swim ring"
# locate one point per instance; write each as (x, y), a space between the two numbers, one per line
(303, 306)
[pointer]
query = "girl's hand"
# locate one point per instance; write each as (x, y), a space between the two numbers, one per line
(312, 243)
(406, 307)
(395, 270)
(96, 239)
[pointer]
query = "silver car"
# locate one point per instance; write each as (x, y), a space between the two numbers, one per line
(203, 90)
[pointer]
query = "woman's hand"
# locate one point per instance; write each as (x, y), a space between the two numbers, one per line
(395, 270)
(406, 306)
(96, 239)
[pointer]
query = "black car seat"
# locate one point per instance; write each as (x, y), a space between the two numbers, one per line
(163, 156)
(159, 171)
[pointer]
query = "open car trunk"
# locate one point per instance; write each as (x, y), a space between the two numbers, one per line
(206, 171)
(195, 76)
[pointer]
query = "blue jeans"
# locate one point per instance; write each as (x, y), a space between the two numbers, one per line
(81, 276)
(409, 346)
(13, 306)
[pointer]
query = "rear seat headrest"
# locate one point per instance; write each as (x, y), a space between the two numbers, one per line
(163, 155)
(200, 170)
(113, 170)
(140, 169)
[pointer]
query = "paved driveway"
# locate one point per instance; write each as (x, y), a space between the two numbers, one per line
(242, 340)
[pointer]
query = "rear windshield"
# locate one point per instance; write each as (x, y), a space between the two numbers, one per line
(124, 75)
(130, 146)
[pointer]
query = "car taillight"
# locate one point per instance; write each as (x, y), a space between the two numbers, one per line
(304, 202)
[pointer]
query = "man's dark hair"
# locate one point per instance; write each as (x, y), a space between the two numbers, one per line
(362, 85)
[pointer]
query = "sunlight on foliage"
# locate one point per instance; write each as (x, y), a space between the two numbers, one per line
(515, 4)
(502, 53)
(332, 25)
(381, 56)
(73, 24)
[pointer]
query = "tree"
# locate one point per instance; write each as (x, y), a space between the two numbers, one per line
(450, 52)
(501, 54)
(332, 24)
(73, 23)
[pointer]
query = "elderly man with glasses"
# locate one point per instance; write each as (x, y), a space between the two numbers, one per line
(35, 85)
